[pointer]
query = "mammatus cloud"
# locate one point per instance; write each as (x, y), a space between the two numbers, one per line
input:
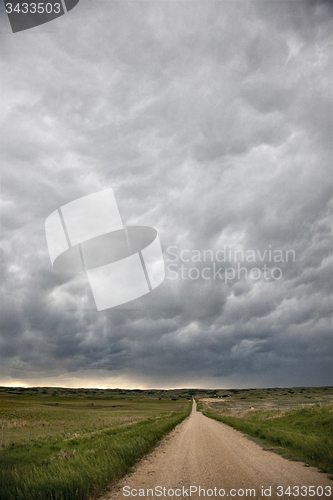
(211, 121)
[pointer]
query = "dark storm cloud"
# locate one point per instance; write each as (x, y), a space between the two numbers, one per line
(212, 123)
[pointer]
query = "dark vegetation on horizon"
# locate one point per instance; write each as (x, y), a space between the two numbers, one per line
(307, 392)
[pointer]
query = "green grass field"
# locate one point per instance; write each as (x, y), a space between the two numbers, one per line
(66, 444)
(40, 414)
(296, 432)
(95, 437)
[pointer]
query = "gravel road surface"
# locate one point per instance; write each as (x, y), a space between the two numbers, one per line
(203, 458)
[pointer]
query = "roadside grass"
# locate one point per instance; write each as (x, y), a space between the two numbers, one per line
(80, 467)
(199, 406)
(304, 434)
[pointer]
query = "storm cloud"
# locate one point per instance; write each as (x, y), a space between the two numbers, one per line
(212, 123)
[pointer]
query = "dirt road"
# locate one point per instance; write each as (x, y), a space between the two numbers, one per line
(203, 453)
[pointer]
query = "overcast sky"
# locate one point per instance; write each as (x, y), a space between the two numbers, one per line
(212, 122)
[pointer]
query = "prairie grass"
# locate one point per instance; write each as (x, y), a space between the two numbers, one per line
(199, 406)
(306, 434)
(45, 414)
(79, 467)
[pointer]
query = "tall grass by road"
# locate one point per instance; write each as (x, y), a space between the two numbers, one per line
(79, 467)
(303, 434)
